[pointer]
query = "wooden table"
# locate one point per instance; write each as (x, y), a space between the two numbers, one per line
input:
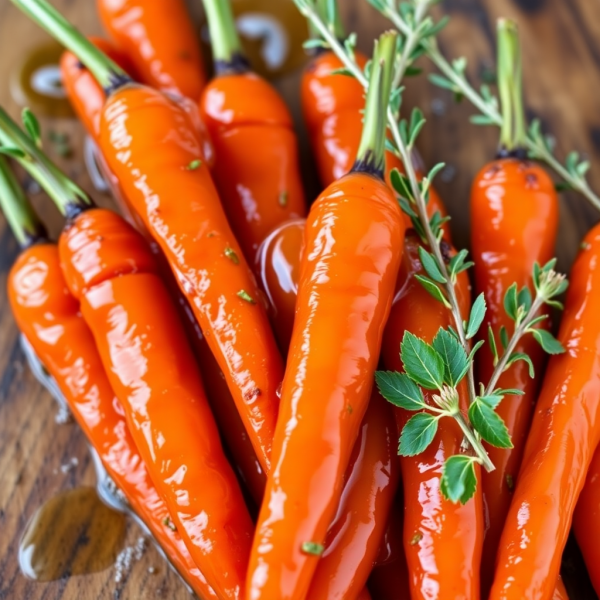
(561, 42)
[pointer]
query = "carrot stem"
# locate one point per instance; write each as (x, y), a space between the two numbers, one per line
(67, 195)
(330, 13)
(108, 74)
(228, 54)
(22, 219)
(513, 135)
(371, 152)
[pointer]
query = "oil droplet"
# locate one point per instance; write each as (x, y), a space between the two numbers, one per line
(73, 533)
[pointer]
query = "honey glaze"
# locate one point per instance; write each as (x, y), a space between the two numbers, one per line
(73, 533)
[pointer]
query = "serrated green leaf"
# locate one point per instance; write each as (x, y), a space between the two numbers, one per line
(492, 400)
(430, 265)
(459, 480)
(418, 433)
(433, 289)
(511, 302)
(422, 362)
(516, 357)
(548, 342)
(477, 315)
(455, 358)
(489, 425)
(400, 390)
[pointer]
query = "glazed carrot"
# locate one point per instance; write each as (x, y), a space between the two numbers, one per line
(110, 270)
(148, 144)
(586, 521)
(560, 592)
(160, 41)
(42, 304)
(389, 580)
(514, 212)
(332, 106)
(257, 169)
(88, 98)
(442, 540)
(564, 435)
(354, 239)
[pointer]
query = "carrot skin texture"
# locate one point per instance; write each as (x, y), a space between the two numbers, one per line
(109, 268)
(332, 106)
(564, 435)
(354, 539)
(354, 239)
(442, 540)
(586, 521)
(257, 168)
(159, 39)
(49, 317)
(514, 210)
(148, 145)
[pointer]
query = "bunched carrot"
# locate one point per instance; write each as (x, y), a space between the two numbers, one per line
(160, 41)
(354, 237)
(149, 145)
(514, 212)
(257, 168)
(110, 270)
(442, 540)
(564, 435)
(41, 304)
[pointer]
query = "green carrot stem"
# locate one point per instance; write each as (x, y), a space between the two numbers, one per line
(371, 152)
(513, 133)
(67, 195)
(329, 12)
(228, 54)
(24, 222)
(108, 74)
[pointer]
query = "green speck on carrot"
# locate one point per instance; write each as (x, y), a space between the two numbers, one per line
(244, 295)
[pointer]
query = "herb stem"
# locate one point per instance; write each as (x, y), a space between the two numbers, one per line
(24, 223)
(482, 456)
(330, 13)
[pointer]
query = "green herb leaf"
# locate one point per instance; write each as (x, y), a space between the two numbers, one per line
(474, 350)
(314, 43)
(401, 184)
(430, 265)
(442, 82)
(525, 299)
(477, 315)
(482, 120)
(15, 153)
(32, 126)
(343, 71)
(548, 342)
(492, 400)
(489, 425)
(422, 362)
(455, 358)
(510, 392)
(400, 390)
(433, 289)
(313, 548)
(418, 433)
(511, 302)
(493, 346)
(516, 357)
(504, 337)
(459, 480)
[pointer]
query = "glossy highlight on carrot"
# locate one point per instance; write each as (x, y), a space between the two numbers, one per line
(442, 540)
(354, 236)
(257, 169)
(159, 39)
(564, 435)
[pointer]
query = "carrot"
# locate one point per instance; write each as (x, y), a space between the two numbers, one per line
(442, 540)
(257, 169)
(586, 521)
(353, 247)
(514, 212)
(332, 106)
(41, 303)
(564, 435)
(110, 270)
(149, 145)
(160, 41)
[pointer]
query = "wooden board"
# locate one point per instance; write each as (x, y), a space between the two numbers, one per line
(561, 43)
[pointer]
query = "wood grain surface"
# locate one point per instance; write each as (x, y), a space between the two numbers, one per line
(561, 46)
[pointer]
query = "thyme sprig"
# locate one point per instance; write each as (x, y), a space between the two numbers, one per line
(441, 366)
(572, 172)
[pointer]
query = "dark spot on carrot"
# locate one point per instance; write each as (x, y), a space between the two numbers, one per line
(531, 181)
(446, 250)
(252, 395)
